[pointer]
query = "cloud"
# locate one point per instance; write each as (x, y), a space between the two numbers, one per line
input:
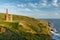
(41, 4)
(37, 5)
(26, 10)
(55, 3)
(44, 2)
(21, 5)
(56, 14)
(34, 5)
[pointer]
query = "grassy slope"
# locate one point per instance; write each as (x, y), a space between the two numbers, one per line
(29, 28)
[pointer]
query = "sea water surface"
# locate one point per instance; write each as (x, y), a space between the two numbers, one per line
(56, 25)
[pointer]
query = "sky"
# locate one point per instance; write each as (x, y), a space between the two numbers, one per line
(32, 8)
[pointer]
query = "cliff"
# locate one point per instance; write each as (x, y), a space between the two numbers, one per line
(26, 27)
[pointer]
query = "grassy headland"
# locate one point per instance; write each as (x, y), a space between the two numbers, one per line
(26, 28)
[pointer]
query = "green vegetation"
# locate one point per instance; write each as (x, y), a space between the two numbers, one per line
(25, 28)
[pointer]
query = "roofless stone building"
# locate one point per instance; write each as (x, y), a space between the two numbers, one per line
(8, 16)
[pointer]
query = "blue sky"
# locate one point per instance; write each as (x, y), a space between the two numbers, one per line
(32, 8)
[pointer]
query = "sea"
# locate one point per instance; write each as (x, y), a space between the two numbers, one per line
(56, 25)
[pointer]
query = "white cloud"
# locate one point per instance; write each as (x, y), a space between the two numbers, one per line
(21, 5)
(55, 3)
(57, 14)
(43, 14)
(27, 9)
(37, 5)
(44, 2)
(33, 5)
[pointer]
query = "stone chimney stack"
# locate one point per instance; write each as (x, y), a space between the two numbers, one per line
(6, 14)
